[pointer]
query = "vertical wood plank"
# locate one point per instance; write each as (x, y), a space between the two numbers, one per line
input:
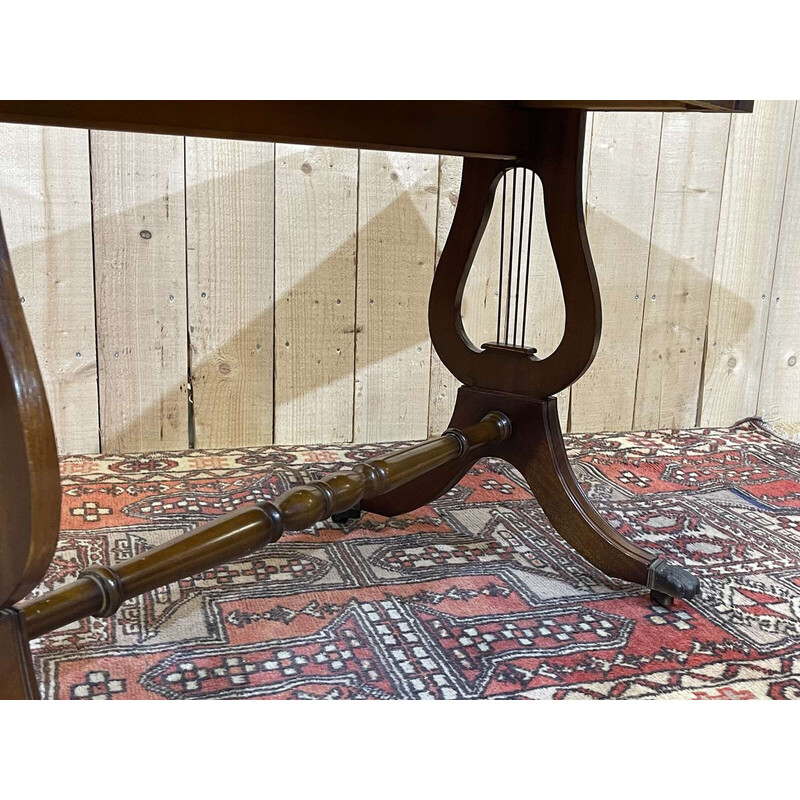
(685, 220)
(779, 392)
(396, 251)
(545, 320)
(140, 267)
(229, 228)
(546, 314)
(315, 251)
(752, 199)
(443, 384)
(45, 201)
(620, 196)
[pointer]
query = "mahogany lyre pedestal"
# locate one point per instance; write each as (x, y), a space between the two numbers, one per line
(505, 408)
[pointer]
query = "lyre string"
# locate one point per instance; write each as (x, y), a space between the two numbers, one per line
(511, 251)
(519, 257)
(504, 293)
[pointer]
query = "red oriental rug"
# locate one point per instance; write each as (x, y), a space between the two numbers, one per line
(474, 596)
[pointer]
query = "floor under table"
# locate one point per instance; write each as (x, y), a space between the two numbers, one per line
(474, 596)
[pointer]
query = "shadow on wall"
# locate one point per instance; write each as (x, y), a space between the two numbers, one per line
(147, 375)
(142, 334)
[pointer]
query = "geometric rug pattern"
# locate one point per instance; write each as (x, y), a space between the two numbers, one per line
(474, 596)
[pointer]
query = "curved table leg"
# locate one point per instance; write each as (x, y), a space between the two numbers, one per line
(536, 449)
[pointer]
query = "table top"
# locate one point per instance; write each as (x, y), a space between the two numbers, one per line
(486, 128)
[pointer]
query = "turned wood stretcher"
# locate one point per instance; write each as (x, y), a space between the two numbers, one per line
(504, 409)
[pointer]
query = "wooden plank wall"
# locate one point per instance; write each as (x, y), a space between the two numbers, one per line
(138, 196)
(315, 283)
(45, 201)
(230, 208)
(204, 293)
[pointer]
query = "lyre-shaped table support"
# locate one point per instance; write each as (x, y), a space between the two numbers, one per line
(512, 380)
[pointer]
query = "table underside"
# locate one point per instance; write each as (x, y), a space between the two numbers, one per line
(482, 128)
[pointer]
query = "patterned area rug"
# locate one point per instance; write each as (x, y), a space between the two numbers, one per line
(474, 596)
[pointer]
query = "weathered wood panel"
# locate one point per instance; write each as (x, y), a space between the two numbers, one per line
(546, 314)
(750, 220)
(443, 384)
(655, 232)
(45, 201)
(396, 251)
(685, 220)
(140, 266)
(779, 392)
(229, 238)
(621, 181)
(315, 252)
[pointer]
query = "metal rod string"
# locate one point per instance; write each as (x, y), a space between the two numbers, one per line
(519, 255)
(511, 251)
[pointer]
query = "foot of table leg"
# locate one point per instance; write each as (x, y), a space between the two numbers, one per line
(669, 581)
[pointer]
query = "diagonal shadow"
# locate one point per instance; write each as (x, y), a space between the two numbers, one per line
(323, 367)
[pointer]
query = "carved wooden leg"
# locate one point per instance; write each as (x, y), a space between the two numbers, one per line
(506, 375)
(536, 449)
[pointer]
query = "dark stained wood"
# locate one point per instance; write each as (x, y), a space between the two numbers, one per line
(739, 106)
(479, 128)
(17, 679)
(511, 379)
(536, 449)
(557, 157)
(457, 127)
(101, 589)
(30, 492)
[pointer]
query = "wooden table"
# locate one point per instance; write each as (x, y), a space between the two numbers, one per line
(505, 408)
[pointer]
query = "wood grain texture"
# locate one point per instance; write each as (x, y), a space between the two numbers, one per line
(140, 265)
(30, 495)
(545, 319)
(779, 391)
(750, 221)
(443, 384)
(396, 251)
(45, 200)
(482, 293)
(620, 196)
(229, 227)
(685, 220)
(45, 197)
(315, 252)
